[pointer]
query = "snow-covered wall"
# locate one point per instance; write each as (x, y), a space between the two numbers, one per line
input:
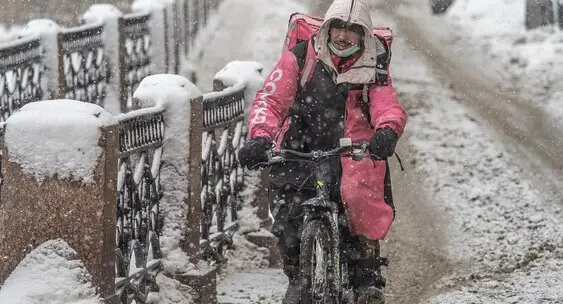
(57, 138)
(60, 167)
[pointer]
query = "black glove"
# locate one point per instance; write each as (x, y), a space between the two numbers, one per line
(254, 151)
(383, 143)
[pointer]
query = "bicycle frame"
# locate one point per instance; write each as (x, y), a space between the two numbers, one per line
(322, 208)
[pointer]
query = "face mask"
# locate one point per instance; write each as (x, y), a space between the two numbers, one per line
(343, 53)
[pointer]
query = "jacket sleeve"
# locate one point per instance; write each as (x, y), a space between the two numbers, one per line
(385, 110)
(272, 102)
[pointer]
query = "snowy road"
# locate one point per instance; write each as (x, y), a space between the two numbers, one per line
(471, 225)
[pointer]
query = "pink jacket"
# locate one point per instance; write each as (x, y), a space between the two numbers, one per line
(362, 181)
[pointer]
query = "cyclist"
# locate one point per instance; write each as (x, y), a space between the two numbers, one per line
(341, 97)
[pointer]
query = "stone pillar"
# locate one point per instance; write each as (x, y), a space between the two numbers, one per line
(172, 45)
(60, 169)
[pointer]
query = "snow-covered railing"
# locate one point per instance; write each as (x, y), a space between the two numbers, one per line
(223, 133)
(139, 223)
(102, 60)
(83, 68)
(157, 188)
(20, 75)
(221, 174)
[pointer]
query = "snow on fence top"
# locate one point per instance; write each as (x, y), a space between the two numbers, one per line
(246, 73)
(57, 137)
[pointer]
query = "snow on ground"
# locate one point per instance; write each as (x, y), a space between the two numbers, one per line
(494, 31)
(263, 286)
(504, 238)
(247, 278)
(51, 274)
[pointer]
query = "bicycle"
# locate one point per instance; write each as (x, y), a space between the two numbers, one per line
(324, 276)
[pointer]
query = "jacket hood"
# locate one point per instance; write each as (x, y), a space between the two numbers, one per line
(358, 12)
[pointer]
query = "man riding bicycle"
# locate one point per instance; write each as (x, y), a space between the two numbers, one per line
(336, 94)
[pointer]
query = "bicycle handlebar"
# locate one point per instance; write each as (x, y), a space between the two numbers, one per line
(356, 151)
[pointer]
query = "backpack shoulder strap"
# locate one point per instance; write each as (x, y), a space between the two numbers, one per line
(305, 66)
(382, 63)
(365, 104)
(300, 52)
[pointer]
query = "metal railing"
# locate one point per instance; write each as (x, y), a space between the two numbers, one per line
(135, 45)
(139, 223)
(20, 75)
(221, 174)
(83, 68)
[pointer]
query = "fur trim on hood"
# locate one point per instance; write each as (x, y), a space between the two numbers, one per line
(358, 12)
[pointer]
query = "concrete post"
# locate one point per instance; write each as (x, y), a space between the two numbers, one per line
(62, 186)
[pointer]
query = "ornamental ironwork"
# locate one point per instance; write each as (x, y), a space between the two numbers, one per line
(221, 173)
(139, 223)
(83, 64)
(20, 75)
(135, 45)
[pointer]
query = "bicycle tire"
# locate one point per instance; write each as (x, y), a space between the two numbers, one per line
(315, 233)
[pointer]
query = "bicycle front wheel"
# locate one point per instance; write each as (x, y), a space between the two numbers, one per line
(316, 265)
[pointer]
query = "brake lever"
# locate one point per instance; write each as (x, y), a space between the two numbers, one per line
(358, 154)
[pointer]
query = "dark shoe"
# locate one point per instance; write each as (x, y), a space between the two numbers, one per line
(293, 294)
(370, 295)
